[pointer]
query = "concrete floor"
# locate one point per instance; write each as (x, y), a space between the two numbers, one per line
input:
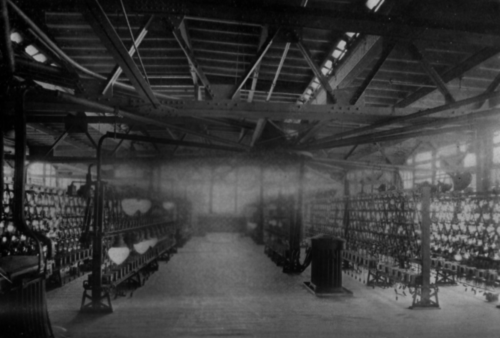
(224, 285)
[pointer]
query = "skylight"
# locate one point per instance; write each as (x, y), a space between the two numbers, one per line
(31, 50)
(16, 37)
(336, 53)
(374, 5)
(40, 57)
(341, 45)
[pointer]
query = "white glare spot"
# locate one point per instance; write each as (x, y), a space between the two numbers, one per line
(16, 37)
(31, 50)
(40, 58)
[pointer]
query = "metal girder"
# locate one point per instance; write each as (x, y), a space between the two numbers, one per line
(172, 142)
(146, 133)
(261, 124)
(491, 88)
(185, 45)
(457, 106)
(178, 146)
(49, 131)
(384, 155)
(6, 43)
(351, 151)
(278, 71)
(56, 142)
(117, 71)
(404, 136)
(63, 119)
(447, 30)
(368, 79)
(259, 127)
(194, 76)
(431, 72)
(104, 29)
(91, 139)
(361, 54)
(113, 152)
(260, 55)
(142, 118)
(42, 117)
(263, 37)
(317, 72)
(362, 164)
(37, 71)
(235, 110)
(453, 73)
(469, 120)
(311, 131)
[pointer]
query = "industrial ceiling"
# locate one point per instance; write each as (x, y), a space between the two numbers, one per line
(341, 81)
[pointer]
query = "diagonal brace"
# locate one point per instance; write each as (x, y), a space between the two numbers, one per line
(260, 55)
(317, 72)
(107, 34)
(117, 71)
(431, 72)
(176, 31)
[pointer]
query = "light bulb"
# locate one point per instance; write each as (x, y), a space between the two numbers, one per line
(118, 255)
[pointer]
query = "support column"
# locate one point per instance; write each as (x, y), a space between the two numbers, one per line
(211, 192)
(236, 190)
(426, 242)
(484, 158)
(260, 228)
(425, 292)
(298, 209)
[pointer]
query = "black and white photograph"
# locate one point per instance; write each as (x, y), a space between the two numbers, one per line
(250, 168)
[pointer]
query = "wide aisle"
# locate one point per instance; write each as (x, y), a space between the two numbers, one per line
(224, 285)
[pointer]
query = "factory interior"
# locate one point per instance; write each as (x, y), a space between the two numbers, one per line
(261, 168)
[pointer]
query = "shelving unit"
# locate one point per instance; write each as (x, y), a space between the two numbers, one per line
(383, 237)
(60, 217)
(154, 229)
(280, 230)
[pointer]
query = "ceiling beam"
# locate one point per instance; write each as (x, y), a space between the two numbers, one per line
(263, 37)
(208, 110)
(258, 58)
(140, 118)
(261, 124)
(104, 29)
(56, 142)
(181, 35)
(317, 72)
(117, 71)
(491, 88)
(458, 105)
(453, 73)
(68, 140)
(368, 79)
(431, 72)
(403, 136)
(137, 138)
(118, 146)
(449, 29)
(351, 151)
(356, 60)
(317, 126)
(469, 119)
